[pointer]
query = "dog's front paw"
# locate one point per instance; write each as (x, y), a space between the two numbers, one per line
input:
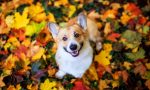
(98, 46)
(60, 74)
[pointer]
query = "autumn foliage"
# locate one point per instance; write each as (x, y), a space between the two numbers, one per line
(27, 48)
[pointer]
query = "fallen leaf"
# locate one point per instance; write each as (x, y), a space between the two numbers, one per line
(38, 54)
(79, 86)
(48, 85)
(72, 10)
(107, 29)
(102, 85)
(113, 37)
(34, 28)
(147, 83)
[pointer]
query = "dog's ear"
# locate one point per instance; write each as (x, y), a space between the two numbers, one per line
(53, 28)
(82, 21)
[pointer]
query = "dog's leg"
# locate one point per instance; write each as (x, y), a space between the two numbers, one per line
(60, 74)
(98, 44)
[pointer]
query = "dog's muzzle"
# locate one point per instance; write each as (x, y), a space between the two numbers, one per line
(75, 52)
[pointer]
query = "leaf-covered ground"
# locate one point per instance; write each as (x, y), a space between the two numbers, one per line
(27, 49)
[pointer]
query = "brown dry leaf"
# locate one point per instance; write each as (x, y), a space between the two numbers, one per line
(141, 69)
(125, 75)
(147, 83)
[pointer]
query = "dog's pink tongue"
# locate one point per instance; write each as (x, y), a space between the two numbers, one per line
(75, 53)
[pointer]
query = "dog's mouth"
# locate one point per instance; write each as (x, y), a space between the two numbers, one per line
(74, 53)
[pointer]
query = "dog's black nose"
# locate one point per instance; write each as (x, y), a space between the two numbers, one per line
(73, 46)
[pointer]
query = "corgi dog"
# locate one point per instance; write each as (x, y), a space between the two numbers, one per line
(74, 53)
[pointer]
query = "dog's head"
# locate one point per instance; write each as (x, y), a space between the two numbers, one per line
(70, 38)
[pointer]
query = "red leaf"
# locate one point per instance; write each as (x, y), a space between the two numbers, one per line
(113, 37)
(20, 50)
(19, 33)
(79, 86)
(142, 20)
(100, 70)
(134, 9)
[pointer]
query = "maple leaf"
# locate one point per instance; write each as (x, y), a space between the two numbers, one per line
(48, 85)
(141, 69)
(113, 37)
(109, 14)
(21, 20)
(104, 56)
(132, 8)
(133, 39)
(35, 9)
(136, 55)
(34, 28)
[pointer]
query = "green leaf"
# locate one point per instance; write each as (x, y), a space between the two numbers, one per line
(147, 75)
(145, 29)
(34, 28)
(137, 55)
(132, 37)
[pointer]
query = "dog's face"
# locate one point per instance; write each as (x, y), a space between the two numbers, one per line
(70, 38)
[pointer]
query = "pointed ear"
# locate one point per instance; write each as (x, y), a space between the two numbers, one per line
(53, 28)
(82, 21)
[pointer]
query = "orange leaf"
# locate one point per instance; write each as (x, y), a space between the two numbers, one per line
(113, 37)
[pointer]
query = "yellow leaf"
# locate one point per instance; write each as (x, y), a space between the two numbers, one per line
(92, 72)
(10, 21)
(104, 56)
(72, 10)
(26, 42)
(2, 84)
(107, 47)
(40, 17)
(60, 2)
(115, 84)
(47, 85)
(127, 65)
(10, 62)
(148, 65)
(51, 17)
(35, 9)
(125, 18)
(107, 29)
(21, 20)
(38, 54)
(14, 41)
(102, 85)
(7, 45)
(134, 50)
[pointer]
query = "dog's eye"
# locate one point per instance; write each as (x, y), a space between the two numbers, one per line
(64, 38)
(76, 35)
